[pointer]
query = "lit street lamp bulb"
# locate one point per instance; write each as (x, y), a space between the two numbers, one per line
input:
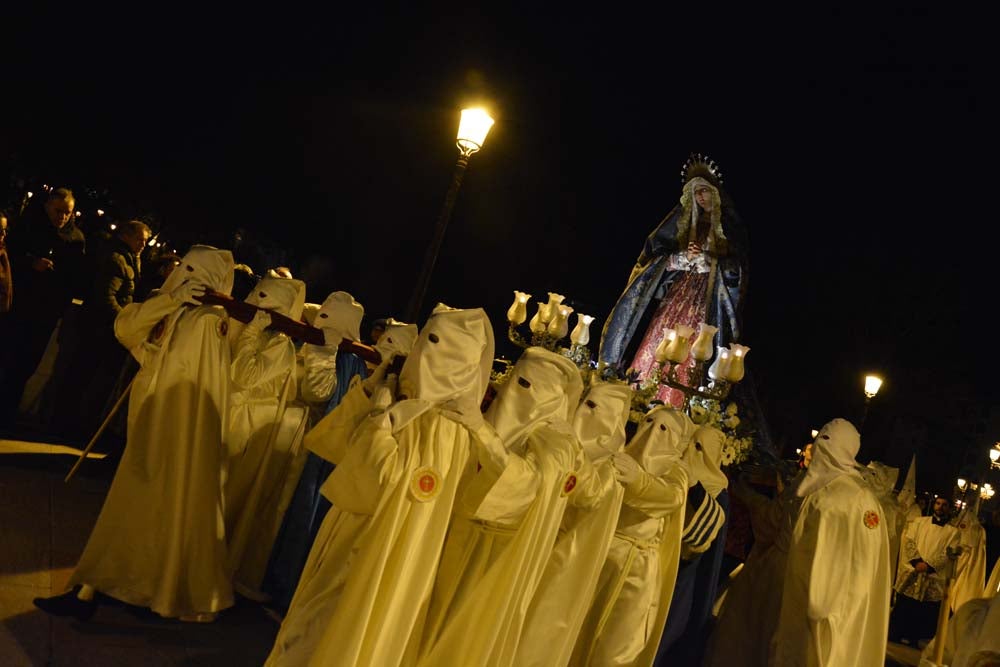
(30, 194)
(113, 226)
(872, 384)
(472, 130)
(995, 453)
(814, 433)
(100, 211)
(961, 483)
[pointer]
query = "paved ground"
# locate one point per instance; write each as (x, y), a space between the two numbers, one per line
(44, 524)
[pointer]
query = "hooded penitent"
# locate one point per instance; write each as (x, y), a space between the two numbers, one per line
(167, 493)
(703, 457)
(265, 433)
(507, 517)
(599, 421)
(340, 314)
(833, 452)
(661, 440)
(206, 265)
(397, 339)
(835, 603)
(365, 589)
(543, 386)
(627, 615)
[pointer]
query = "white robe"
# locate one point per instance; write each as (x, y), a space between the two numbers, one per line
(495, 558)
(835, 605)
(265, 437)
(570, 580)
(365, 588)
(930, 543)
(160, 539)
(974, 629)
(970, 570)
(637, 581)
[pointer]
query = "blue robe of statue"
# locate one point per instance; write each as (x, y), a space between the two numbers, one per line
(308, 507)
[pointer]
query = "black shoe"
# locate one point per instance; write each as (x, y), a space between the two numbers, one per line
(68, 604)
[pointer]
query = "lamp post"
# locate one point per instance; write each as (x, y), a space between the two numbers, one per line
(472, 131)
(995, 456)
(872, 384)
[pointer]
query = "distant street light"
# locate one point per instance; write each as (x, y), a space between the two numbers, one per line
(814, 433)
(961, 483)
(472, 130)
(995, 456)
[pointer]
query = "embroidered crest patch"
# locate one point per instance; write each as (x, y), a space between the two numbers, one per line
(569, 484)
(425, 484)
(871, 519)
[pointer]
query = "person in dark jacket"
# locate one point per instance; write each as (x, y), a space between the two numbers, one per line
(47, 255)
(94, 362)
(6, 281)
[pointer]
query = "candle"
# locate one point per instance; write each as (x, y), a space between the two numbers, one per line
(559, 326)
(677, 351)
(736, 370)
(661, 350)
(552, 307)
(518, 311)
(537, 324)
(702, 348)
(581, 332)
(719, 370)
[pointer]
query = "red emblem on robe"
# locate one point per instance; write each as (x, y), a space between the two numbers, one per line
(425, 483)
(871, 519)
(569, 484)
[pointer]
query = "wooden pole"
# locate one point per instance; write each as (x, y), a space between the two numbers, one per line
(100, 431)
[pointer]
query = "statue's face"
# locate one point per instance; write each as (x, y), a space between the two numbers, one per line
(703, 197)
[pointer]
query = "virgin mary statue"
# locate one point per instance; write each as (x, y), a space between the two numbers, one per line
(692, 269)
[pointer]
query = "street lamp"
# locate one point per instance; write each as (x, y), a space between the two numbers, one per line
(995, 456)
(961, 483)
(987, 491)
(472, 130)
(872, 384)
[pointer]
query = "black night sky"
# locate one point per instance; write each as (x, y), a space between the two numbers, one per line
(856, 147)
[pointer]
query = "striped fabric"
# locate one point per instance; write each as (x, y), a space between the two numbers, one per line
(703, 519)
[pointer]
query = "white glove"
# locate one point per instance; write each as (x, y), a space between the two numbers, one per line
(627, 470)
(370, 383)
(187, 292)
(261, 320)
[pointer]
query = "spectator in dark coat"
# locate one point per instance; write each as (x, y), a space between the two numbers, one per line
(47, 254)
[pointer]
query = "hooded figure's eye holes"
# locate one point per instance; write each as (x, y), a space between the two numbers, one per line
(524, 383)
(323, 316)
(663, 427)
(433, 338)
(590, 404)
(262, 295)
(189, 268)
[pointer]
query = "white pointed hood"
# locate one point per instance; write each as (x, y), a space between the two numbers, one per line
(397, 339)
(543, 387)
(282, 295)
(703, 457)
(833, 452)
(662, 439)
(599, 422)
(209, 266)
(450, 362)
(340, 315)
